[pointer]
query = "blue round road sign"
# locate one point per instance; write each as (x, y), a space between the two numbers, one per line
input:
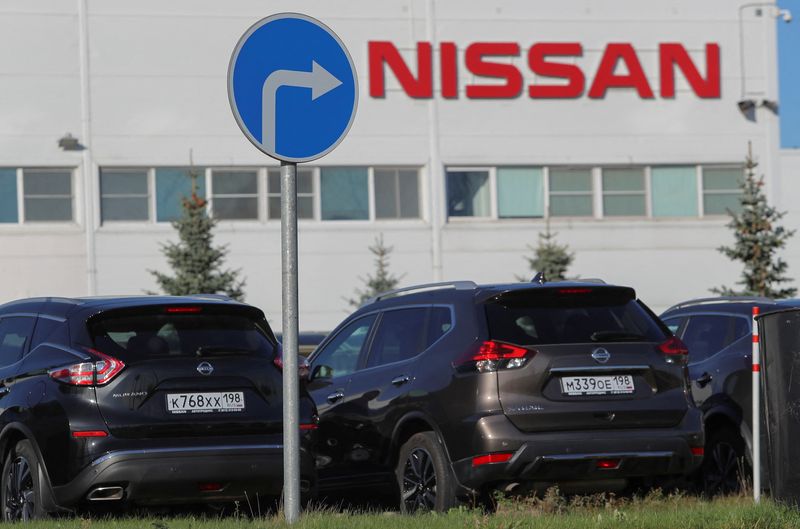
(292, 87)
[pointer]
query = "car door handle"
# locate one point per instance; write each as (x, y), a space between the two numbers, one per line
(336, 396)
(704, 379)
(402, 379)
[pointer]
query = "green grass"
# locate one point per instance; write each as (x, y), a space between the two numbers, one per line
(550, 512)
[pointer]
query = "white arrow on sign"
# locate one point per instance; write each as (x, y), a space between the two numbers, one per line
(319, 80)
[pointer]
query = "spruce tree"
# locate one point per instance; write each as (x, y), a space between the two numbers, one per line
(381, 280)
(195, 261)
(757, 239)
(549, 257)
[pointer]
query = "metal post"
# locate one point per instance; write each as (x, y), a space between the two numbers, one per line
(756, 411)
(291, 407)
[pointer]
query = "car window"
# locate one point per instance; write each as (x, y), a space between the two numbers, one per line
(570, 315)
(135, 336)
(400, 336)
(45, 330)
(342, 352)
(674, 324)
(439, 322)
(707, 334)
(15, 335)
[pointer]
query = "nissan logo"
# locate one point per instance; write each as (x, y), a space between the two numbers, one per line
(599, 355)
(205, 368)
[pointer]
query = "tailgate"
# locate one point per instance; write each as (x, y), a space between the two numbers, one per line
(595, 361)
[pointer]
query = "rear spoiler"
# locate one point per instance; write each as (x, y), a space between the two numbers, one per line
(554, 290)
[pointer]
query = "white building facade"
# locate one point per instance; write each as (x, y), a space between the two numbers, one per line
(477, 120)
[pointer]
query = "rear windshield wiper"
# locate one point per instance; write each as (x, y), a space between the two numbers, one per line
(616, 336)
(222, 349)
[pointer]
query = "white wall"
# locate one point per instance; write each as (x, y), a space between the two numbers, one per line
(158, 89)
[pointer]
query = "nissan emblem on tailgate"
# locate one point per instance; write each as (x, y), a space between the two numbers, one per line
(599, 355)
(204, 368)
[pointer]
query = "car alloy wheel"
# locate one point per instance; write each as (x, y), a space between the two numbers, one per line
(419, 481)
(19, 492)
(722, 471)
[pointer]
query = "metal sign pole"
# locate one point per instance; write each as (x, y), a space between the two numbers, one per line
(756, 411)
(291, 388)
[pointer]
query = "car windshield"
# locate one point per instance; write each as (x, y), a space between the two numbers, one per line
(561, 316)
(165, 335)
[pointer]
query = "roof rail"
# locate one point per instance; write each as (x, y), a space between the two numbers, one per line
(458, 285)
(719, 299)
(595, 280)
(221, 297)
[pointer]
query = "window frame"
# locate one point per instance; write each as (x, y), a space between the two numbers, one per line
(592, 193)
(211, 196)
(151, 199)
(703, 191)
(315, 195)
(21, 213)
(492, 183)
(396, 168)
(644, 193)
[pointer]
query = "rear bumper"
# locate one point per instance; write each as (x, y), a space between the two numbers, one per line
(175, 474)
(574, 456)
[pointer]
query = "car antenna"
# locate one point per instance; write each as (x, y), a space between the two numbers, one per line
(539, 278)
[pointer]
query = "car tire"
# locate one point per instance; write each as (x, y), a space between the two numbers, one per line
(723, 465)
(20, 495)
(424, 477)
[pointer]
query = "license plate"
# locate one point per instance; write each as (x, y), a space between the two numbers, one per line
(217, 402)
(599, 385)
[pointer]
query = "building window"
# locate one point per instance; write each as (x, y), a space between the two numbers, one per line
(124, 195)
(624, 192)
(468, 193)
(520, 192)
(571, 192)
(173, 184)
(305, 194)
(234, 194)
(344, 193)
(8, 196)
(721, 190)
(674, 191)
(396, 193)
(47, 195)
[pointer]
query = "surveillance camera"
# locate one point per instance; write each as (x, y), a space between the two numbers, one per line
(746, 105)
(786, 15)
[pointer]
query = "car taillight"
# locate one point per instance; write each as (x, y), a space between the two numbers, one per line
(89, 373)
(303, 367)
(493, 355)
(183, 310)
(674, 351)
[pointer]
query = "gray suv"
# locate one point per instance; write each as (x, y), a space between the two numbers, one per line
(449, 391)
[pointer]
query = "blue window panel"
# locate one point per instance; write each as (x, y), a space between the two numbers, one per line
(344, 193)
(674, 191)
(520, 192)
(172, 185)
(8, 195)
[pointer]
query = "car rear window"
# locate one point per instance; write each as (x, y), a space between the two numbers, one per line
(570, 315)
(132, 336)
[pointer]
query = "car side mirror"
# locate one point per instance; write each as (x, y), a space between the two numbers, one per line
(321, 375)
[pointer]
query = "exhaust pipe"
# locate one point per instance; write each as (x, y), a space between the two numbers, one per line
(105, 494)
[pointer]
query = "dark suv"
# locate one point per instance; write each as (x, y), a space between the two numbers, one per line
(149, 400)
(718, 333)
(452, 390)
